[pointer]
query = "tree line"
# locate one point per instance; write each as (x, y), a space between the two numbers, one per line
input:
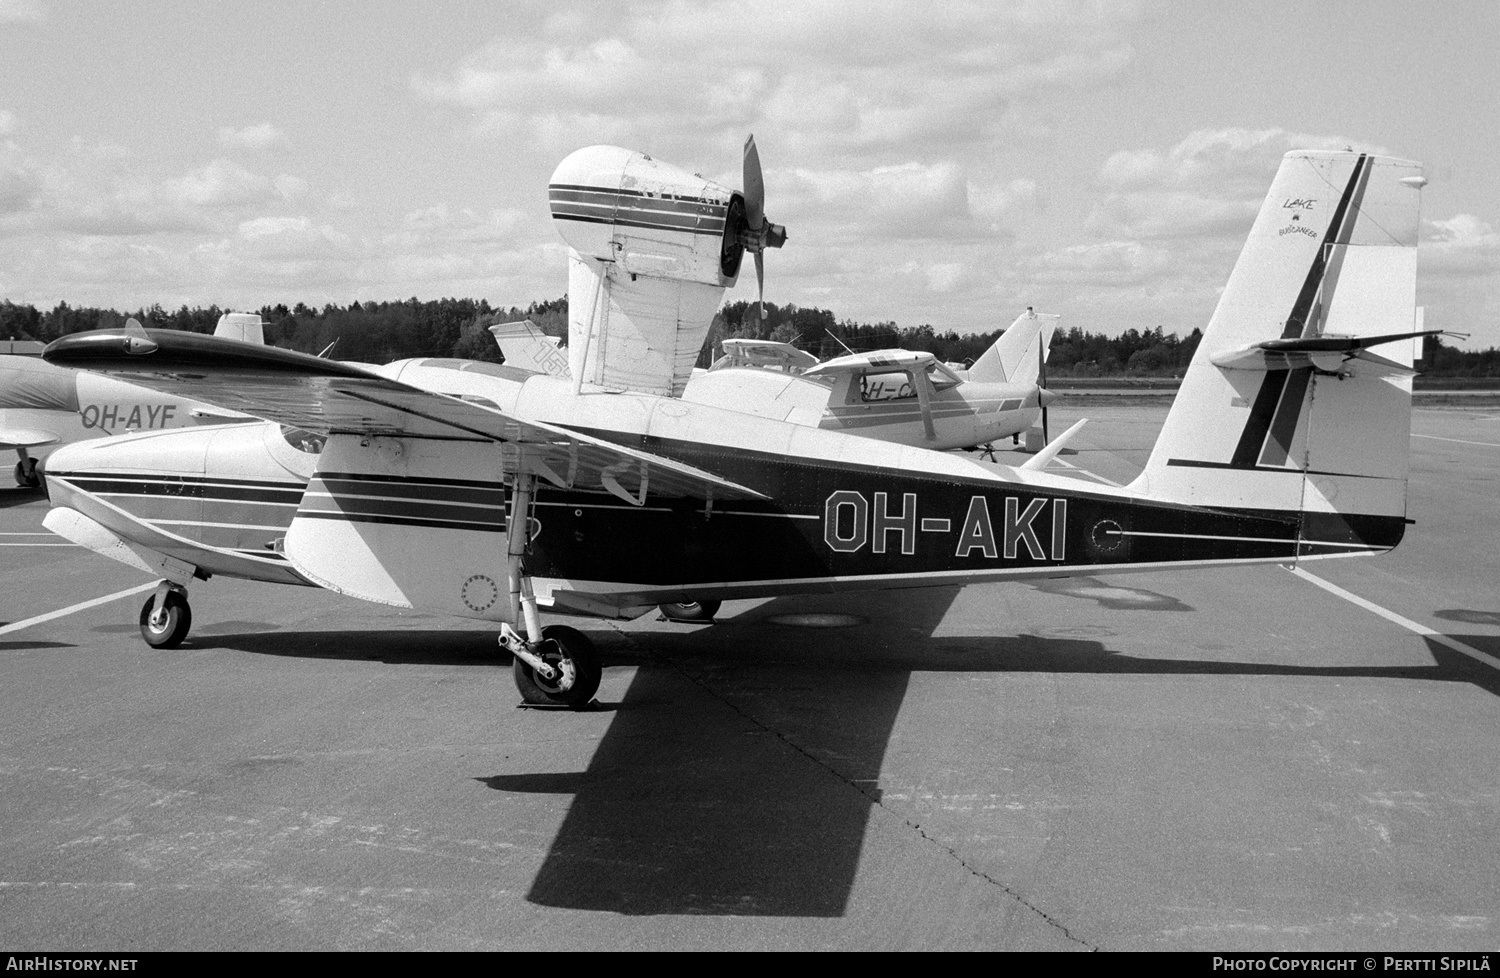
(378, 332)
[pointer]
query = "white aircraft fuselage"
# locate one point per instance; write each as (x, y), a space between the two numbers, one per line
(880, 406)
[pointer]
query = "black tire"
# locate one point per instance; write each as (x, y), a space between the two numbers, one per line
(691, 611)
(26, 474)
(177, 619)
(570, 651)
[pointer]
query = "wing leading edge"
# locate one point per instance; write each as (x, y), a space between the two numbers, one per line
(330, 397)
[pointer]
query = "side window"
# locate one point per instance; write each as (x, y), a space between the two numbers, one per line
(885, 387)
(303, 441)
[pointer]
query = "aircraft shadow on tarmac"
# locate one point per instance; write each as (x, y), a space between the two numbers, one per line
(740, 771)
(20, 496)
(24, 645)
(430, 646)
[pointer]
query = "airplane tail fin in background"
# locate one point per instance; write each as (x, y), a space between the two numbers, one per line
(524, 345)
(1013, 356)
(1298, 398)
(243, 326)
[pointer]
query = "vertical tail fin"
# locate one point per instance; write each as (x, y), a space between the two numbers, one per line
(524, 345)
(1285, 406)
(1013, 356)
(243, 326)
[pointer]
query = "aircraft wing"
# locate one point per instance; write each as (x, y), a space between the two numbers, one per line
(332, 397)
(874, 362)
(767, 353)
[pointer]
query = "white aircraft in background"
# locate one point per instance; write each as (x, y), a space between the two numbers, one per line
(909, 398)
(42, 405)
(493, 493)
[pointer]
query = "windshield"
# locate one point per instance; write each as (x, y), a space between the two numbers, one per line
(302, 440)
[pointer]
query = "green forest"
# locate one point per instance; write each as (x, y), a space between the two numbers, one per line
(378, 332)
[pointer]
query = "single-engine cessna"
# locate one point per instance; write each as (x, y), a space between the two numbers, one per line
(42, 405)
(496, 494)
(900, 396)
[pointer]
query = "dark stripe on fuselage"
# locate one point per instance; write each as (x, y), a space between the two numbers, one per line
(635, 198)
(616, 221)
(1196, 464)
(455, 504)
(208, 489)
(651, 214)
(886, 522)
(482, 494)
(400, 520)
(593, 205)
(895, 523)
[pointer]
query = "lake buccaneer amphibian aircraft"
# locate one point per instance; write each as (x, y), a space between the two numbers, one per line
(476, 491)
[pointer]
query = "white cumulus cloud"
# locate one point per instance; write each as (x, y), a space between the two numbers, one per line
(258, 137)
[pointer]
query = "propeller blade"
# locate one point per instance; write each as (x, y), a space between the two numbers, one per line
(755, 187)
(1041, 382)
(760, 284)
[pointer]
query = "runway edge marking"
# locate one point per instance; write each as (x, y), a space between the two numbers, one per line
(81, 606)
(1391, 616)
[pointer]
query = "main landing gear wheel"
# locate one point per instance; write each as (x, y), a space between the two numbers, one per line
(26, 474)
(691, 611)
(573, 656)
(165, 629)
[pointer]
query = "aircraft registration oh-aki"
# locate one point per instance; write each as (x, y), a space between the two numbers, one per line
(494, 494)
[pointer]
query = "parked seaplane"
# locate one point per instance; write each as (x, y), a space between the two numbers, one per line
(901, 396)
(495, 494)
(42, 405)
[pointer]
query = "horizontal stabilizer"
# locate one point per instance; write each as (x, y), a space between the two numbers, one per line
(1328, 353)
(1047, 454)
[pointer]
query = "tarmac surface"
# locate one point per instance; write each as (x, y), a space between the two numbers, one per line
(1240, 759)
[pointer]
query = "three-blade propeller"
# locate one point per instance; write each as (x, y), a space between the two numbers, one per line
(758, 234)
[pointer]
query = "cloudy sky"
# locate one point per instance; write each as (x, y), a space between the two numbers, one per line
(934, 163)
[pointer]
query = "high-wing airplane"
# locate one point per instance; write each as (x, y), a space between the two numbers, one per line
(909, 398)
(43, 405)
(491, 493)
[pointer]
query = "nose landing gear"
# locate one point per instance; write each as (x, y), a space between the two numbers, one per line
(166, 617)
(563, 669)
(555, 665)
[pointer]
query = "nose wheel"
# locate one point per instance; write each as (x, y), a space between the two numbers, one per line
(166, 619)
(563, 669)
(26, 473)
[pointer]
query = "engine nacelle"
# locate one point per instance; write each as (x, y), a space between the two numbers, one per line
(648, 218)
